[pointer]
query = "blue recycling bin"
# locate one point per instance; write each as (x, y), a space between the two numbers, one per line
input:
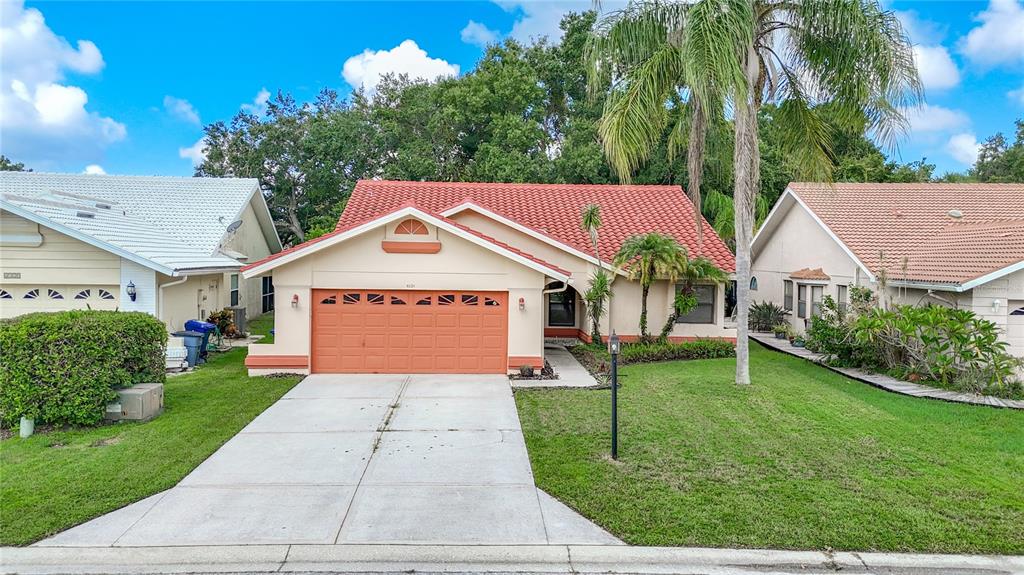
(205, 328)
(193, 341)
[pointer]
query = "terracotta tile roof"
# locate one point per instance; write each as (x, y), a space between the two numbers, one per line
(892, 226)
(340, 230)
(964, 251)
(809, 274)
(553, 209)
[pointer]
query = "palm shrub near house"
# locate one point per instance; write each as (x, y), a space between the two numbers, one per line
(597, 295)
(764, 316)
(648, 257)
(695, 271)
(63, 368)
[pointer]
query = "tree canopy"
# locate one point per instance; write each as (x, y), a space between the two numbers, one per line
(523, 114)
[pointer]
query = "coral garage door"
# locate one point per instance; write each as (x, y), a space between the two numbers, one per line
(379, 331)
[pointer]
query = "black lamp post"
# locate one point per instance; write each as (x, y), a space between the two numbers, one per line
(613, 349)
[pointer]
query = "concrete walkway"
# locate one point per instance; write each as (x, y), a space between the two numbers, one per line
(884, 381)
(571, 372)
(368, 459)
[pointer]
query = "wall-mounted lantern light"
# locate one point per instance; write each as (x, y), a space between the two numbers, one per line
(522, 304)
(995, 306)
(295, 300)
(131, 291)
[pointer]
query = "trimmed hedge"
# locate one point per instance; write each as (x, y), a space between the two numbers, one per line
(63, 367)
(663, 351)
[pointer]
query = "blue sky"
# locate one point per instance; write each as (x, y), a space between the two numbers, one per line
(125, 87)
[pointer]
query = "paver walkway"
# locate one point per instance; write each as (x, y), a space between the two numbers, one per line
(420, 459)
(884, 381)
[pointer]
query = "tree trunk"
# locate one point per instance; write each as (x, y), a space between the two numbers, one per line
(643, 310)
(695, 165)
(744, 157)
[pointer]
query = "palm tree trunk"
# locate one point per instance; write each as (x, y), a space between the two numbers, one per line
(745, 155)
(695, 164)
(643, 310)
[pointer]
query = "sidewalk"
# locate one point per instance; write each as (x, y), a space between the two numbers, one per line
(486, 559)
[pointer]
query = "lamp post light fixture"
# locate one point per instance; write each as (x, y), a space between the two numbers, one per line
(613, 349)
(131, 291)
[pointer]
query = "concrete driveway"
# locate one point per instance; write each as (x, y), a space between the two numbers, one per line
(427, 459)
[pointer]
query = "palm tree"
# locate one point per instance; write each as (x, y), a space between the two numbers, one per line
(850, 53)
(648, 257)
(600, 290)
(698, 270)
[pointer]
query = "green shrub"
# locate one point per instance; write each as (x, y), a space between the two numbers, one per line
(663, 351)
(764, 316)
(954, 347)
(63, 368)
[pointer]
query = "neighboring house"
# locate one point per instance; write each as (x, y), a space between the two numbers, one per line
(470, 277)
(72, 241)
(946, 244)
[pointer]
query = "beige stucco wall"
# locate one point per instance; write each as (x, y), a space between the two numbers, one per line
(797, 243)
(195, 298)
(624, 310)
(248, 240)
(361, 263)
(60, 262)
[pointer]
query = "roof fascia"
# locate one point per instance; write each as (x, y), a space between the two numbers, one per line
(528, 231)
(994, 275)
(84, 237)
(388, 218)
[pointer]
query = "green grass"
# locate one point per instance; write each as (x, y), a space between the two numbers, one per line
(261, 325)
(57, 480)
(802, 459)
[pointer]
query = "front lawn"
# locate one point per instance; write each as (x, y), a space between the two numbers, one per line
(57, 480)
(802, 459)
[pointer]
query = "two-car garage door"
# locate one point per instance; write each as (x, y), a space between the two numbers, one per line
(380, 331)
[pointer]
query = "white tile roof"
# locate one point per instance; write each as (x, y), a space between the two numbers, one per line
(174, 223)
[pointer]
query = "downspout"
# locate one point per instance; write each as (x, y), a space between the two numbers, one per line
(160, 308)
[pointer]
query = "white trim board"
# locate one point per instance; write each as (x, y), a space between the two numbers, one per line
(262, 268)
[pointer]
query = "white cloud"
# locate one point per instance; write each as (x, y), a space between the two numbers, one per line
(45, 121)
(478, 34)
(921, 31)
(94, 170)
(930, 118)
(181, 109)
(1017, 95)
(936, 67)
(196, 152)
(365, 70)
(259, 103)
(999, 38)
(964, 148)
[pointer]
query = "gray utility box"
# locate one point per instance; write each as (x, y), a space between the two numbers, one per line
(240, 321)
(140, 402)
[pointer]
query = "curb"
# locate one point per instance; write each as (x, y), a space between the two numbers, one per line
(568, 559)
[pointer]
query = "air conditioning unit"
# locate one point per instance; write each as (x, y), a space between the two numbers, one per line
(140, 402)
(239, 319)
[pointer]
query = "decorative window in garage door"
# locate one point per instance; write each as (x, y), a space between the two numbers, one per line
(104, 294)
(330, 300)
(31, 294)
(84, 294)
(54, 294)
(5, 295)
